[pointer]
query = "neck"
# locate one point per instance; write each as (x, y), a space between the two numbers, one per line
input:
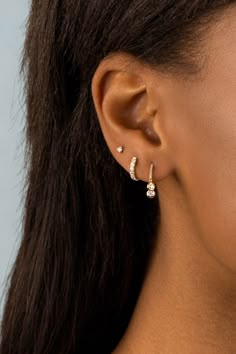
(188, 299)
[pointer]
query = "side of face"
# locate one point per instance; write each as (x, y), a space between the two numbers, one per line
(203, 139)
(186, 126)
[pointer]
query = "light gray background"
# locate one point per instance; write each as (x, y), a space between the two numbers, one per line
(13, 15)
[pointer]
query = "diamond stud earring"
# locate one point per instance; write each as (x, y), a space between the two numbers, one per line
(132, 168)
(120, 149)
(151, 186)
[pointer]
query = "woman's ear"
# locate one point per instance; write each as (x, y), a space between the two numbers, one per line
(127, 99)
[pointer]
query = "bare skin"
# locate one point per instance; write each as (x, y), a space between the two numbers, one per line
(187, 128)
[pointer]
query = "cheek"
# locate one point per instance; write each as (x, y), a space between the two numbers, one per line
(208, 175)
(207, 166)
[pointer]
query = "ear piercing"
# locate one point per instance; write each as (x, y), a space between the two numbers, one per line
(132, 168)
(151, 186)
(151, 193)
(120, 149)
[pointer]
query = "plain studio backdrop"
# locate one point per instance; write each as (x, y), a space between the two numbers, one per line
(13, 15)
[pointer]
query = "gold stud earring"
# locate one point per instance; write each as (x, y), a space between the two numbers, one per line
(151, 186)
(132, 168)
(120, 149)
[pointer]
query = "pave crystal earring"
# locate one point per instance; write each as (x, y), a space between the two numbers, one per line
(151, 186)
(132, 168)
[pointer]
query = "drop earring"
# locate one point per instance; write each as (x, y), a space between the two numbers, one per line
(151, 186)
(132, 168)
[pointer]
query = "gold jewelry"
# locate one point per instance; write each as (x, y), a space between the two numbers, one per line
(132, 168)
(151, 186)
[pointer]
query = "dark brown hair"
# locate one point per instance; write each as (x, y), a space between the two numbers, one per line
(88, 229)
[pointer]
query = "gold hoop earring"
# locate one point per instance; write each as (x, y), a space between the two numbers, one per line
(132, 168)
(151, 186)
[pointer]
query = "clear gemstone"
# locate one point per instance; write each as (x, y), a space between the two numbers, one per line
(151, 194)
(151, 186)
(120, 149)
